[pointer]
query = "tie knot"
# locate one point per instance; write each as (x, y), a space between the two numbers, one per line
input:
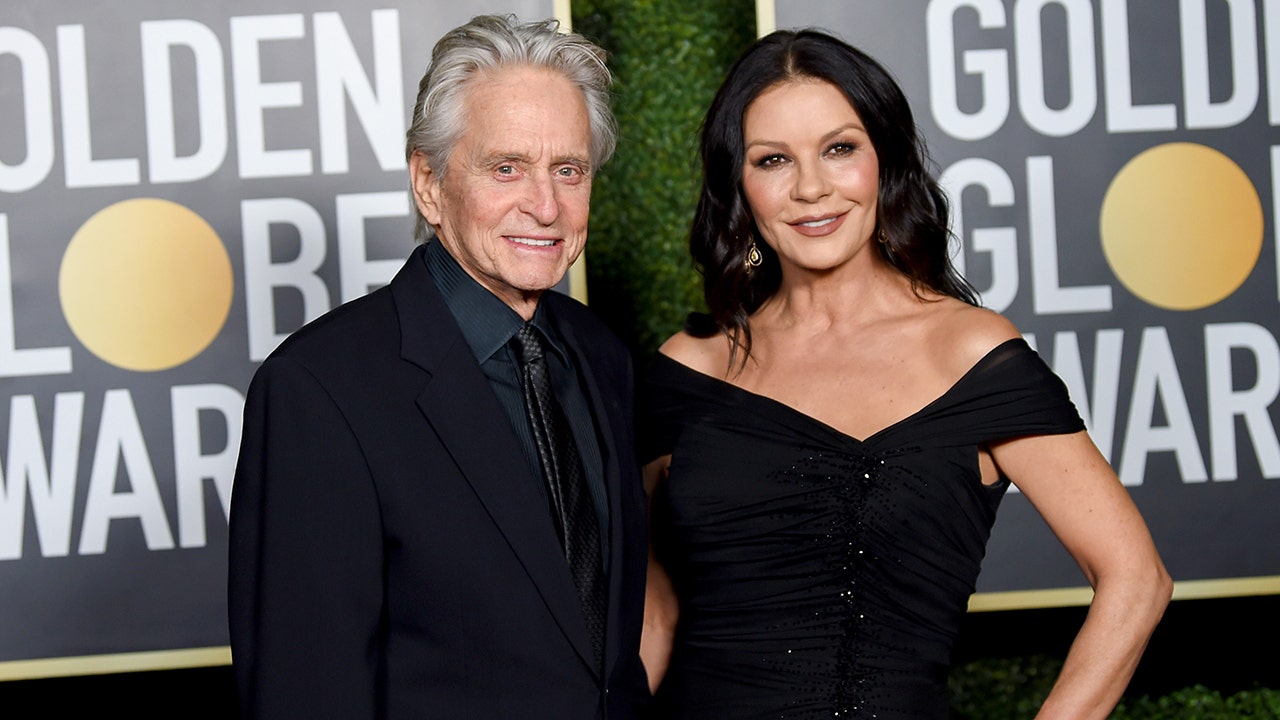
(527, 344)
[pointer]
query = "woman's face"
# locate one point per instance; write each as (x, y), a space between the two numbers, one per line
(810, 175)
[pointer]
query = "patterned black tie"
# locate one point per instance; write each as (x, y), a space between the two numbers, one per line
(572, 509)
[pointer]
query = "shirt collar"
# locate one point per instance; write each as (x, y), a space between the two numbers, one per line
(487, 323)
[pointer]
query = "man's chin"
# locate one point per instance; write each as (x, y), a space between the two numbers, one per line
(538, 280)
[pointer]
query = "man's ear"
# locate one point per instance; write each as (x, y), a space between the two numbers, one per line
(426, 188)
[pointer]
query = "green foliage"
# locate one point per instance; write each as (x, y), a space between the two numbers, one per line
(1014, 688)
(1002, 689)
(668, 57)
(1200, 703)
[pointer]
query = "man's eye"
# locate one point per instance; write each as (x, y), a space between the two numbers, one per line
(506, 170)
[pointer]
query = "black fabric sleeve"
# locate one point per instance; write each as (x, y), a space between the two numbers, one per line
(1010, 393)
(305, 566)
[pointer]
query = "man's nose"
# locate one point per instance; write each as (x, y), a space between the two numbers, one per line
(540, 199)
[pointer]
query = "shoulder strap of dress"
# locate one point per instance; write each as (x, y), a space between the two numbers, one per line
(1010, 393)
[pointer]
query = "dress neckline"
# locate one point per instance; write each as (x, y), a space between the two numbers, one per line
(897, 424)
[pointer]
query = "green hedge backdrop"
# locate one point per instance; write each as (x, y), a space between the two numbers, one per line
(666, 67)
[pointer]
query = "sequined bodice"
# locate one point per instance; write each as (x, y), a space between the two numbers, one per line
(820, 575)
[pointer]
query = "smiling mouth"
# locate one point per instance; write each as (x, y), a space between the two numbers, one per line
(532, 242)
(818, 223)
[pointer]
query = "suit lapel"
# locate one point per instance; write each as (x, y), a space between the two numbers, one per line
(461, 408)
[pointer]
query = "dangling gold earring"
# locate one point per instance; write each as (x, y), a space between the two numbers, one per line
(754, 258)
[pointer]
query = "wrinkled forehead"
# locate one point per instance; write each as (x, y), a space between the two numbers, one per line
(525, 112)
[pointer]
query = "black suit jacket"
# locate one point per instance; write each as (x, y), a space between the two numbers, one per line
(391, 556)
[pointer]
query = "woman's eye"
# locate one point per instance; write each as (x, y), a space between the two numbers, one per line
(842, 149)
(770, 161)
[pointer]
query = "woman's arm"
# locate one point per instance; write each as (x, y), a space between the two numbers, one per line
(661, 608)
(1075, 490)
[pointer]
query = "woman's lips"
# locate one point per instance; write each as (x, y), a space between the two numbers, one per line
(820, 225)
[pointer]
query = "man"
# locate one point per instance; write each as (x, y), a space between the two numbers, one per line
(397, 548)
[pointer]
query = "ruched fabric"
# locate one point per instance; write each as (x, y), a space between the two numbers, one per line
(821, 575)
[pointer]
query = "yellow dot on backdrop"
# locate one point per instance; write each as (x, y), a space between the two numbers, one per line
(146, 284)
(1181, 226)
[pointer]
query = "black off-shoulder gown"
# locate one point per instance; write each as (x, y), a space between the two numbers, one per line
(821, 575)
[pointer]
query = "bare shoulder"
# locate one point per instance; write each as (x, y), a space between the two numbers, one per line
(965, 334)
(709, 355)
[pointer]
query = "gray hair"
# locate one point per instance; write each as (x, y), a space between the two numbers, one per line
(491, 42)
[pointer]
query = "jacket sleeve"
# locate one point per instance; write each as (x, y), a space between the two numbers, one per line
(305, 585)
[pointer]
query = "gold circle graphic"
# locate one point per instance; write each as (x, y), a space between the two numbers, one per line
(146, 284)
(1181, 226)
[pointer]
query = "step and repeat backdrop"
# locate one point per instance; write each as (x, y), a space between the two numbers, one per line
(181, 186)
(1113, 170)
(180, 189)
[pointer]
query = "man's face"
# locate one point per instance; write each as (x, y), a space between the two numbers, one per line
(513, 202)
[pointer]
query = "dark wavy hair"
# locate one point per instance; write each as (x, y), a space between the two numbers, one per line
(913, 211)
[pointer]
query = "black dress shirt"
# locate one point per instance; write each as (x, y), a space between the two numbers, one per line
(488, 324)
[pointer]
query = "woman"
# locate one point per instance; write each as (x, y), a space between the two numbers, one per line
(833, 442)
